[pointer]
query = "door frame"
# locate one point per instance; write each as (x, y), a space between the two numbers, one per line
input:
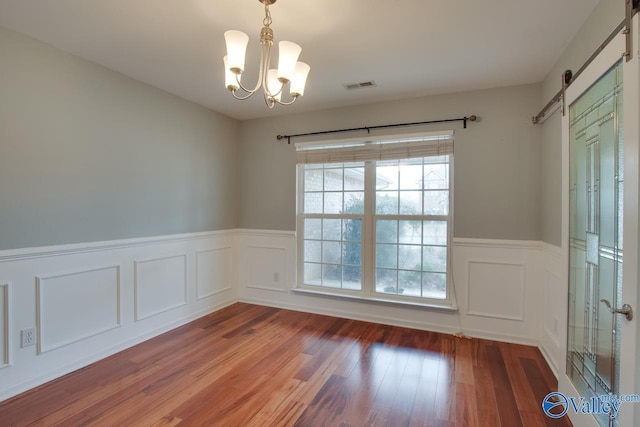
(611, 54)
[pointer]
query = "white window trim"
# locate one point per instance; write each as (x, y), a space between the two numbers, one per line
(368, 290)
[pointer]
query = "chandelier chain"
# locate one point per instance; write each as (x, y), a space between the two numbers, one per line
(267, 16)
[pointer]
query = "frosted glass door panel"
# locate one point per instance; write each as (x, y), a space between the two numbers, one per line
(595, 237)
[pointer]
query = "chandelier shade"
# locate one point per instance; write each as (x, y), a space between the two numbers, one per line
(288, 53)
(237, 42)
(274, 85)
(299, 79)
(290, 71)
(231, 80)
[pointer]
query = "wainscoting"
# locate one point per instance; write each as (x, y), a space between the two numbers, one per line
(553, 336)
(497, 285)
(88, 301)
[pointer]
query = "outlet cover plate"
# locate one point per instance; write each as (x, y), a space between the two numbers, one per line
(27, 337)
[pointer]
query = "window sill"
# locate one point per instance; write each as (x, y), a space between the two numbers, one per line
(366, 298)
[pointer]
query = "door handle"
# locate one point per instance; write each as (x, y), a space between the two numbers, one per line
(626, 309)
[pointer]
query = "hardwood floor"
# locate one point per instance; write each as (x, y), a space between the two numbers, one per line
(250, 365)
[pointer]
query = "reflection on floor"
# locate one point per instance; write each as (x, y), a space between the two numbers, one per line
(253, 365)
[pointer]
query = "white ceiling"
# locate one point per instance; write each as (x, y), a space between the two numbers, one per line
(408, 47)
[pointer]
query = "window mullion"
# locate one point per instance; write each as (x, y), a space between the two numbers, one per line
(368, 236)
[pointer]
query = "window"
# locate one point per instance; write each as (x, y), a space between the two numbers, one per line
(374, 218)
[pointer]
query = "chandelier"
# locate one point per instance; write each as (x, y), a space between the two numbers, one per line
(290, 71)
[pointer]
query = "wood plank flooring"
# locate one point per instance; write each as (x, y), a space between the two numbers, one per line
(249, 365)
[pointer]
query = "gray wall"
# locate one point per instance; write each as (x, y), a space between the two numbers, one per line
(497, 160)
(87, 154)
(603, 20)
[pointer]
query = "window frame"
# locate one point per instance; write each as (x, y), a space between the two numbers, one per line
(368, 255)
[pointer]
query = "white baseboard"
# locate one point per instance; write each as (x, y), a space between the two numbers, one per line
(343, 314)
(550, 360)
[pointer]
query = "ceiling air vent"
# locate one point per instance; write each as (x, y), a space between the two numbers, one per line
(361, 85)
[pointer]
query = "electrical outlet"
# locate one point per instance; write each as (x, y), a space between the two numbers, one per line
(28, 337)
(276, 277)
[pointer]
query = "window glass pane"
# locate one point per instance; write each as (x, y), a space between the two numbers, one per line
(386, 231)
(313, 179)
(312, 202)
(354, 203)
(312, 228)
(387, 203)
(434, 258)
(436, 202)
(332, 276)
(387, 281)
(409, 283)
(434, 285)
(312, 251)
(332, 229)
(352, 278)
(352, 230)
(387, 256)
(352, 253)
(312, 274)
(411, 175)
(410, 257)
(436, 176)
(332, 203)
(333, 179)
(410, 202)
(435, 233)
(387, 175)
(331, 252)
(354, 179)
(410, 232)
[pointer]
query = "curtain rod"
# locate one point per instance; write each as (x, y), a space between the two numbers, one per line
(631, 8)
(465, 119)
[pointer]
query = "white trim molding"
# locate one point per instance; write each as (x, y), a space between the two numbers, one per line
(493, 294)
(77, 248)
(165, 282)
(69, 313)
(5, 324)
(225, 268)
